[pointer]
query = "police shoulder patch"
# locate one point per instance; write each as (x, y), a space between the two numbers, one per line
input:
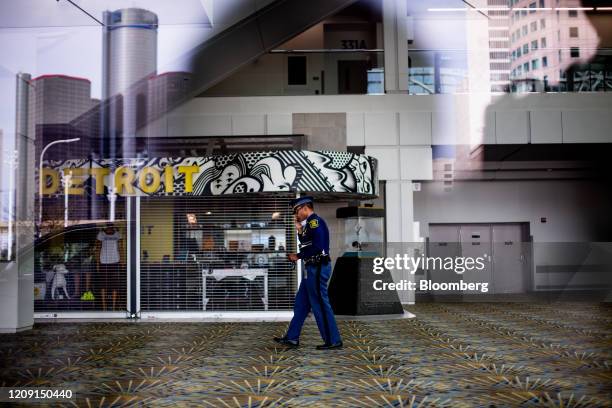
(313, 223)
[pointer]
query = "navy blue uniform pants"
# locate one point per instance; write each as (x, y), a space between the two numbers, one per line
(312, 295)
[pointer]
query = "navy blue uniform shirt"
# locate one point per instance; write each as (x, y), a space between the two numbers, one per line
(314, 238)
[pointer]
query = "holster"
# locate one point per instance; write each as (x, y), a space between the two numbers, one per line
(320, 259)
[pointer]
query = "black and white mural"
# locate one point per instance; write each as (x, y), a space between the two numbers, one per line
(252, 172)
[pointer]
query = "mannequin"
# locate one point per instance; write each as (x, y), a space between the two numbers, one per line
(109, 257)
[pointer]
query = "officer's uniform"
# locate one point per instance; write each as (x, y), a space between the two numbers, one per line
(312, 293)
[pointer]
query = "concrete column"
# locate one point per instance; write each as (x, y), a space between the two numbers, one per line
(17, 275)
(396, 45)
(401, 235)
(411, 246)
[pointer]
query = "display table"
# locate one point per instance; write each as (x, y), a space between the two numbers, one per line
(245, 273)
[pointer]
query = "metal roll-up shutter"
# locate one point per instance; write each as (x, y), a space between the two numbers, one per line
(219, 253)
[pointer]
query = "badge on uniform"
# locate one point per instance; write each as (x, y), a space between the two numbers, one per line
(313, 223)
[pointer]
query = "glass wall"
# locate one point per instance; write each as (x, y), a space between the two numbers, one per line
(509, 46)
(82, 268)
(500, 46)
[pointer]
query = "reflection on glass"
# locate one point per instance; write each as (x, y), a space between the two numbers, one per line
(432, 72)
(556, 46)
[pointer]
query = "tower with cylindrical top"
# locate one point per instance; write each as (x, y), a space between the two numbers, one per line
(129, 58)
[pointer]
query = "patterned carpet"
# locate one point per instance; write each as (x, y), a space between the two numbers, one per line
(451, 355)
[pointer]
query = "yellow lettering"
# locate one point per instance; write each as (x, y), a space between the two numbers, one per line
(99, 173)
(75, 184)
(52, 189)
(169, 179)
(142, 180)
(188, 170)
(124, 177)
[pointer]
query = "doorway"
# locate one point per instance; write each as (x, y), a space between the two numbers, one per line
(353, 77)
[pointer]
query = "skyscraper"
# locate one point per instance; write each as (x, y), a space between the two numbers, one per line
(129, 58)
(55, 101)
(499, 45)
(546, 41)
(60, 108)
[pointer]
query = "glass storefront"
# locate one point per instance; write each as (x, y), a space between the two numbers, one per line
(186, 234)
(196, 254)
(80, 261)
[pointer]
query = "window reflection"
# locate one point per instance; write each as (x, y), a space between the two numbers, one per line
(544, 46)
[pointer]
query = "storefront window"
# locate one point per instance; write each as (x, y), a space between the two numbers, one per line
(82, 268)
(216, 253)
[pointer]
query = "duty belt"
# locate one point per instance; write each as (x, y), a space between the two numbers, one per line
(320, 259)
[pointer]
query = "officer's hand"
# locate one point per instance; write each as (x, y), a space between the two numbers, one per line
(292, 257)
(298, 225)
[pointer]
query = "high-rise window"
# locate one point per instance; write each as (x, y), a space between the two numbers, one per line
(532, 6)
(573, 13)
(525, 48)
(574, 52)
(534, 45)
(535, 64)
(573, 32)
(544, 61)
(525, 30)
(543, 42)
(542, 3)
(526, 67)
(534, 26)
(542, 24)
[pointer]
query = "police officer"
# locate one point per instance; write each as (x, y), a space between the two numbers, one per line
(312, 293)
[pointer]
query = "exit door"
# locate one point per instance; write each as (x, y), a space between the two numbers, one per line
(509, 257)
(476, 243)
(444, 242)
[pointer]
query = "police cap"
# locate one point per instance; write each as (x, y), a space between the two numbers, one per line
(301, 201)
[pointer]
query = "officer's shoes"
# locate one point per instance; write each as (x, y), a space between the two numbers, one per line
(328, 346)
(286, 342)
